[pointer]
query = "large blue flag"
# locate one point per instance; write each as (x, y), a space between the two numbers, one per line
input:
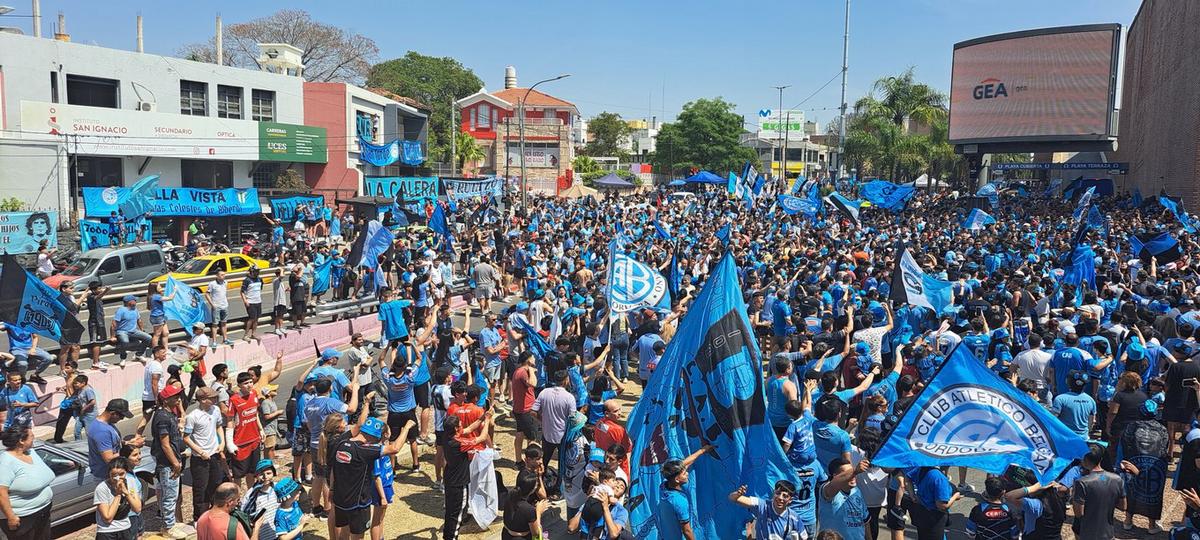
(977, 219)
(1161, 245)
(723, 234)
(379, 240)
(1082, 269)
(675, 275)
(439, 225)
(536, 344)
(633, 285)
(968, 416)
(138, 200)
(887, 195)
(993, 195)
(1176, 209)
(187, 305)
(707, 390)
(911, 285)
(661, 231)
(321, 276)
(792, 205)
(845, 206)
(1084, 201)
(34, 306)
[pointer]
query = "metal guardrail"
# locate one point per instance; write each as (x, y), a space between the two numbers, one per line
(139, 289)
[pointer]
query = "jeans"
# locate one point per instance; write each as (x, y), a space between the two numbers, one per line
(42, 358)
(82, 421)
(168, 496)
(206, 475)
(124, 338)
(620, 356)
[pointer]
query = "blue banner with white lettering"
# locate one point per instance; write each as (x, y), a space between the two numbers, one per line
(414, 187)
(284, 208)
(993, 195)
(23, 232)
(968, 416)
(792, 205)
(977, 219)
(138, 201)
(707, 390)
(94, 233)
(378, 155)
(32, 305)
(887, 195)
(457, 190)
(187, 306)
(172, 201)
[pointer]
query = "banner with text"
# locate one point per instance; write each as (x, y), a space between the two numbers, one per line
(93, 233)
(172, 201)
(22, 232)
(284, 208)
(465, 189)
(414, 187)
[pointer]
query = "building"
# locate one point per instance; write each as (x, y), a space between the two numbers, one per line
(805, 156)
(1159, 121)
(551, 133)
(347, 113)
(642, 137)
(75, 116)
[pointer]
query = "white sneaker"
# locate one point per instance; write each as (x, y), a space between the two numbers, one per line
(177, 532)
(103, 366)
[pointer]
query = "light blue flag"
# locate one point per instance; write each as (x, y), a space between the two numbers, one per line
(661, 231)
(321, 276)
(1055, 184)
(968, 416)
(1137, 197)
(792, 205)
(1176, 209)
(989, 190)
(977, 219)
(1084, 201)
(1082, 270)
(379, 239)
(911, 285)
(536, 344)
(887, 195)
(723, 234)
(438, 224)
(634, 285)
(707, 389)
(139, 199)
(187, 307)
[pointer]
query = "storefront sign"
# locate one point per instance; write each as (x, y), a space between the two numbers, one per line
(289, 142)
(1114, 167)
(415, 187)
(284, 208)
(22, 232)
(101, 202)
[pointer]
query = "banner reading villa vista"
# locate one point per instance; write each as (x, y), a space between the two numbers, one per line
(169, 201)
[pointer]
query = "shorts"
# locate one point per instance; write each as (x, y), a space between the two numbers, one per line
(269, 442)
(300, 442)
(280, 311)
(299, 310)
(319, 469)
(254, 311)
(1177, 415)
(158, 320)
(422, 392)
(491, 373)
(148, 406)
(245, 467)
(358, 519)
(220, 315)
(528, 426)
(441, 437)
(396, 421)
(388, 494)
(97, 330)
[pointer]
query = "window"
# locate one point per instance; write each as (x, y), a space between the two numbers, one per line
(59, 465)
(53, 87)
(217, 266)
(485, 115)
(193, 98)
(366, 125)
(474, 112)
(229, 102)
(262, 107)
(93, 91)
(111, 265)
(142, 259)
(205, 174)
(238, 264)
(94, 171)
(264, 175)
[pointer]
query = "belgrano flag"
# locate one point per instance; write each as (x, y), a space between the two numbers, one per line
(911, 285)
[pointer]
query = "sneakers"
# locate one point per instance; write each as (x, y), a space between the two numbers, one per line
(103, 366)
(966, 488)
(179, 531)
(279, 332)
(37, 379)
(228, 342)
(438, 487)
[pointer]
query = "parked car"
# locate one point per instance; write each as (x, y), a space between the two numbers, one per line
(74, 484)
(208, 265)
(681, 196)
(113, 267)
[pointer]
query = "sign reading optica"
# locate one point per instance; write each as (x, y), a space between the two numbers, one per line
(290, 142)
(1050, 84)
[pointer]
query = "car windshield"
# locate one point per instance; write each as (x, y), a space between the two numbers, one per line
(194, 266)
(82, 267)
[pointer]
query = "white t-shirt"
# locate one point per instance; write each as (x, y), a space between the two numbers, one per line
(277, 290)
(198, 341)
(45, 264)
(104, 495)
(202, 426)
(153, 367)
(218, 294)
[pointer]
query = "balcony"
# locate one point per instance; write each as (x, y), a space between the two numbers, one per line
(534, 121)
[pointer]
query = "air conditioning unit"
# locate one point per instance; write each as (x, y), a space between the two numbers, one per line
(147, 106)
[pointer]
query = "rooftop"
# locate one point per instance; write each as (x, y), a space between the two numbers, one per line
(535, 99)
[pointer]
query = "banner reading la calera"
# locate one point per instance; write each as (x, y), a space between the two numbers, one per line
(23, 232)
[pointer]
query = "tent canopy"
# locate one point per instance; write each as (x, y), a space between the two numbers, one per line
(576, 191)
(611, 180)
(705, 177)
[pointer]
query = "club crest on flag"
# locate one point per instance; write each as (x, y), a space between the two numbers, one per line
(635, 284)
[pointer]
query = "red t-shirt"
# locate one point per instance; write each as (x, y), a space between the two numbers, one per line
(245, 431)
(609, 433)
(214, 525)
(467, 414)
(522, 391)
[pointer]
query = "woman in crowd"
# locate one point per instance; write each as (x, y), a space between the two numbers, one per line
(25, 494)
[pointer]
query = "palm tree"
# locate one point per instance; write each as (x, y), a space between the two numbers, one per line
(467, 149)
(902, 98)
(584, 165)
(878, 134)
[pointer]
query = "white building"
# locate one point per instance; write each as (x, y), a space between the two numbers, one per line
(75, 116)
(642, 137)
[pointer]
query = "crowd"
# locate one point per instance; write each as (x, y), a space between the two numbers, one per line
(842, 362)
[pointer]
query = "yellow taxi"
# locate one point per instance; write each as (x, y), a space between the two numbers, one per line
(208, 265)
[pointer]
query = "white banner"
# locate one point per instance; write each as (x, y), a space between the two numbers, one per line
(534, 157)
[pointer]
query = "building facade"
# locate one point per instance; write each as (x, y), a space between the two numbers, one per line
(551, 136)
(1160, 121)
(804, 156)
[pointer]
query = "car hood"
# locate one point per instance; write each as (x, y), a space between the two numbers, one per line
(80, 448)
(57, 279)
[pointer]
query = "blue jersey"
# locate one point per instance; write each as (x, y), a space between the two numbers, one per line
(805, 499)
(400, 393)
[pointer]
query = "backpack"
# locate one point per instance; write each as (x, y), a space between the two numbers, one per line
(239, 517)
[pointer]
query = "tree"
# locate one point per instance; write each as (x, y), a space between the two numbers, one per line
(431, 80)
(608, 135)
(705, 135)
(901, 99)
(289, 179)
(330, 53)
(584, 165)
(12, 204)
(467, 150)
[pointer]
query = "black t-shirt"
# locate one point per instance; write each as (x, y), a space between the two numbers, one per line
(1189, 474)
(95, 305)
(353, 464)
(1130, 404)
(299, 288)
(165, 422)
(835, 340)
(457, 472)
(1180, 396)
(518, 521)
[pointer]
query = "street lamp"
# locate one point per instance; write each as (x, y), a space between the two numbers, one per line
(521, 128)
(782, 146)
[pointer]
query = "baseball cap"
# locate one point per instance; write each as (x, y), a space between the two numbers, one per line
(129, 298)
(330, 353)
(286, 487)
(120, 406)
(199, 325)
(170, 391)
(373, 426)
(264, 464)
(270, 388)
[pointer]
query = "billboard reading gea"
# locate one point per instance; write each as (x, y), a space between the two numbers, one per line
(1056, 84)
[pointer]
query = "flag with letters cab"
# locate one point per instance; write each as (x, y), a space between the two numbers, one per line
(30, 304)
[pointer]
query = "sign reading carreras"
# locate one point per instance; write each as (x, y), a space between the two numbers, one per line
(290, 142)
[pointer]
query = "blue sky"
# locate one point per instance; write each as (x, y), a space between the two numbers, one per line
(629, 56)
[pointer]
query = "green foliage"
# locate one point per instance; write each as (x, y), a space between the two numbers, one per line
(433, 81)
(12, 204)
(467, 150)
(290, 179)
(584, 165)
(606, 133)
(704, 136)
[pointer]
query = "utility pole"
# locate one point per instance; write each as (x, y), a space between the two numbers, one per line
(779, 131)
(453, 141)
(783, 154)
(842, 120)
(521, 129)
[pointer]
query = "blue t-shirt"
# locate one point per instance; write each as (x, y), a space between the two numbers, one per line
(845, 513)
(19, 339)
(781, 318)
(978, 345)
(24, 394)
(1075, 411)
(315, 412)
(126, 319)
(338, 379)
(799, 435)
(770, 524)
(595, 410)
(392, 315)
(301, 400)
(805, 498)
(1064, 361)
(619, 515)
(578, 387)
(400, 393)
(489, 337)
(776, 401)
(288, 519)
(421, 374)
(101, 437)
(385, 473)
(830, 441)
(156, 305)
(885, 387)
(932, 487)
(674, 509)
